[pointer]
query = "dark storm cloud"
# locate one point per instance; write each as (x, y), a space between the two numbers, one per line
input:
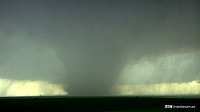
(94, 39)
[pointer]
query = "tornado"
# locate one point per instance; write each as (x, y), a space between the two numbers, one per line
(91, 70)
(86, 46)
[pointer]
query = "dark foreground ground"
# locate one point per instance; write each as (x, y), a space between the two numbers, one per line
(99, 104)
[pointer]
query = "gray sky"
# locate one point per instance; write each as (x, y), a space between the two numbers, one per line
(88, 45)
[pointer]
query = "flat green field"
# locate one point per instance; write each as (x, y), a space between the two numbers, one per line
(100, 104)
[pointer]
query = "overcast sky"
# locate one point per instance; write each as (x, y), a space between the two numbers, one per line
(88, 46)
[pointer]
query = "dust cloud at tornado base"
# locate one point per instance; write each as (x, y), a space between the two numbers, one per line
(90, 47)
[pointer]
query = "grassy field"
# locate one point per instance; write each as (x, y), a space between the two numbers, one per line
(100, 104)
